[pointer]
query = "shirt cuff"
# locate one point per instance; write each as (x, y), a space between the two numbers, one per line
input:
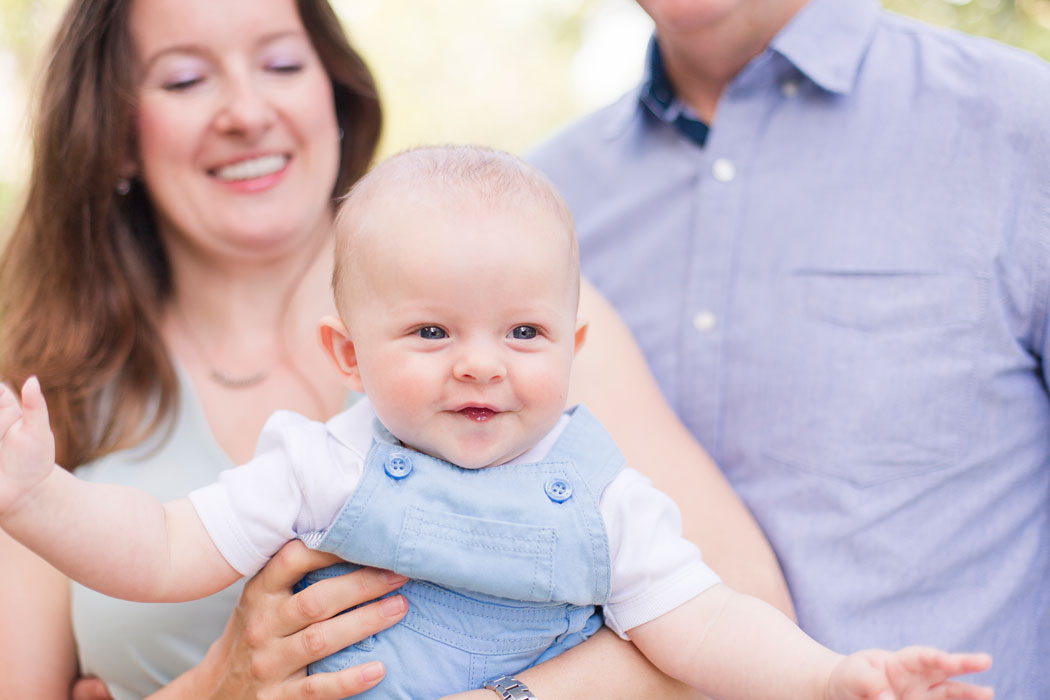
(689, 582)
(214, 509)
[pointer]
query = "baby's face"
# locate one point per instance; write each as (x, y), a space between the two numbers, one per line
(464, 326)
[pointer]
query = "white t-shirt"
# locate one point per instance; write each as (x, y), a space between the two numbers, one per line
(254, 509)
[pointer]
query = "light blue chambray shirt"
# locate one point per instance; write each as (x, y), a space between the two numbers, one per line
(844, 295)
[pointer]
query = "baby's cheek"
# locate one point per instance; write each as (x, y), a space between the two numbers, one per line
(549, 390)
(396, 397)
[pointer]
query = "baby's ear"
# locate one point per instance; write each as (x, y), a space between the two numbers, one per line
(335, 339)
(581, 334)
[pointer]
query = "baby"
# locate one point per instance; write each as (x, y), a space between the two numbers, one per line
(457, 282)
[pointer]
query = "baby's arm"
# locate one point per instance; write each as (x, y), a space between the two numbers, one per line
(730, 645)
(117, 540)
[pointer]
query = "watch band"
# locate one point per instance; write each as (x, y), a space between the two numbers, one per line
(510, 688)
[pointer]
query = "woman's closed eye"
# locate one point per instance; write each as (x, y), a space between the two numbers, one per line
(285, 67)
(183, 81)
(182, 85)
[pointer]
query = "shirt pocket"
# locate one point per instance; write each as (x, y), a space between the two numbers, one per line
(507, 559)
(872, 372)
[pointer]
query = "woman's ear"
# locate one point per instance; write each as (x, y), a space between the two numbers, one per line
(335, 339)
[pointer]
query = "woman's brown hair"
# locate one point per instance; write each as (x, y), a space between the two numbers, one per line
(84, 276)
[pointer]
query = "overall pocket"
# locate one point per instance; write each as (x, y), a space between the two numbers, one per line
(525, 554)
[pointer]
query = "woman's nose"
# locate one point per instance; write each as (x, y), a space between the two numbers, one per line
(245, 111)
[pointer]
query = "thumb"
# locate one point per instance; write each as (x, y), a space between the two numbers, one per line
(90, 689)
(34, 408)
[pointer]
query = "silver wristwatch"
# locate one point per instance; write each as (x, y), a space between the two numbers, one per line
(510, 688)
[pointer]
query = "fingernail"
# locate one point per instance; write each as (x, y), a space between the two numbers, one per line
(372, 671)
(391, 607)
(391, 578)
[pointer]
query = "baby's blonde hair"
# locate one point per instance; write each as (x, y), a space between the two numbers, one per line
(467, 175)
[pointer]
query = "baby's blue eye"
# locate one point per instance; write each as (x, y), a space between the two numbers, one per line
(523, 333)
(432, 333)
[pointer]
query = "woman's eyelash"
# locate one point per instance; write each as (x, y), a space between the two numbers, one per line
(181, 84)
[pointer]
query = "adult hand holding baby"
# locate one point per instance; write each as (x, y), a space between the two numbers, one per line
(273, 634)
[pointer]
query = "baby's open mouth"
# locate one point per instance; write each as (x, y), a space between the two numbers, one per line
(477, 413)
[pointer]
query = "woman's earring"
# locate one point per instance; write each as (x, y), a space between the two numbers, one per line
(123, 186)
(340, 133)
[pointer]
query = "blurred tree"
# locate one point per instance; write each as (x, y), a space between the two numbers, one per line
(1024, 23)
(501, 72)
(23, 26)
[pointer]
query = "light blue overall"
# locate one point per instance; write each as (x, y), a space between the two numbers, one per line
(507, 563)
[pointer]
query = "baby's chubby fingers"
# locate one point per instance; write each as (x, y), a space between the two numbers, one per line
(10, 410)
(958, 664)
(34, 410)
(922, 672)
(27, 447)
(942, 662)
(956, 690)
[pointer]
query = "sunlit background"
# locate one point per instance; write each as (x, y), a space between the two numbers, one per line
(501, 72)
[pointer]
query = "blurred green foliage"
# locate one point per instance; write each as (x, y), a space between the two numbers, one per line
(502, 72)
(1024, 23)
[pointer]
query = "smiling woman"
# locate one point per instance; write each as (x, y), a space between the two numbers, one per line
(237, 134)
(173, 243)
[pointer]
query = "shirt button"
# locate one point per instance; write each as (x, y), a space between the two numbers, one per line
(398, 466)
(723, 170)
(789, 88)
(558, 490)
(704, 321)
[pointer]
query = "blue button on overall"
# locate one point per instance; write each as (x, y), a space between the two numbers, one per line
(558, 490)
(399, 465)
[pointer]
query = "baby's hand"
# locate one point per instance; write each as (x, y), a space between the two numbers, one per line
(27, 446)
(913, 673)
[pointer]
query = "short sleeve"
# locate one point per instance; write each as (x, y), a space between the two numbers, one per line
(654, 568)
(293, 486)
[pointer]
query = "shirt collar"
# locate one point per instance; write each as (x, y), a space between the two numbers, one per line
(654, 94)
(657, 92)
(826, 41)
(658, 95)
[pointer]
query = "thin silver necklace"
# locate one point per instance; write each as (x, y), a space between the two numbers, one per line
(221, 377)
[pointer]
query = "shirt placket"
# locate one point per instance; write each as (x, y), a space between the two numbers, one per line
(722, 178)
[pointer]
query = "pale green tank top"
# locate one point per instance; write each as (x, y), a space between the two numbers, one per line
(137, 648)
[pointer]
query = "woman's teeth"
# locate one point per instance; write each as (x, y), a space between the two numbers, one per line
(255, 167)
